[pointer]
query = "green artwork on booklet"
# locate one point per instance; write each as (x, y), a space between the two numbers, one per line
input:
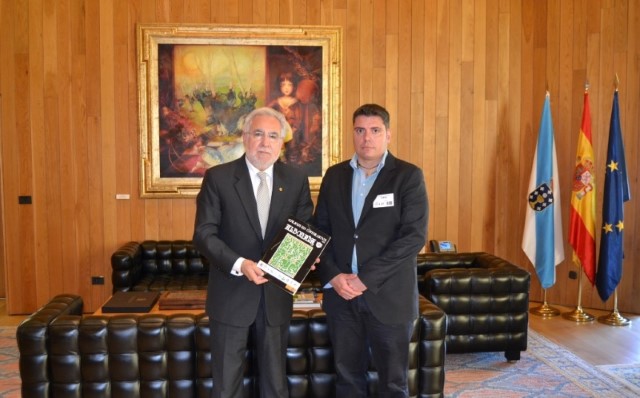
(290, 255)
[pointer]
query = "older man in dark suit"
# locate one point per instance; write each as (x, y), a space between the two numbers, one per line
(375, 208)
(235, 221)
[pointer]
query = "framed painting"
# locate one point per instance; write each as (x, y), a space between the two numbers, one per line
(196, 84)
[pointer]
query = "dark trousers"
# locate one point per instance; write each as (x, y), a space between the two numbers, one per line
(228, 353)
(354, 331)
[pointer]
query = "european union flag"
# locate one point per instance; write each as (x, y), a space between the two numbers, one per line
(616, 192)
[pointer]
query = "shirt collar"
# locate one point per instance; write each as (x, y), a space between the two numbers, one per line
(354, 161)
(253, 170)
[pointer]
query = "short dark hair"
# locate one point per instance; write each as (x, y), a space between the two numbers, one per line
(372, 110)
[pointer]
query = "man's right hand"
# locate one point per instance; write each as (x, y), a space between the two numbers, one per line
(252, 272)
(341, 285)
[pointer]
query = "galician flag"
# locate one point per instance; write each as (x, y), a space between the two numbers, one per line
(582, 218)
(616, 192)
(542, 238)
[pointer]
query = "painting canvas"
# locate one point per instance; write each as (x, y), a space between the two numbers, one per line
(198, 85)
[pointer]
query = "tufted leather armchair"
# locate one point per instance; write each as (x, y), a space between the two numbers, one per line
(485, 297)
(65, 354)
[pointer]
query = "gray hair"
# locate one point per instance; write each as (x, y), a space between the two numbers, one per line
(266, 111)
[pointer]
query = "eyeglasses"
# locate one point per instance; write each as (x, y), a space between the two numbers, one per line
(259, 135)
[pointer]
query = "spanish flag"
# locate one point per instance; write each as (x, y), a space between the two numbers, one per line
(582, 224)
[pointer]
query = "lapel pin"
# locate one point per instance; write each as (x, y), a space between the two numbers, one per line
(280, 189)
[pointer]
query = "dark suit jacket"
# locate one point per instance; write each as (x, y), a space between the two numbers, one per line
(227, 227)
(387, 239)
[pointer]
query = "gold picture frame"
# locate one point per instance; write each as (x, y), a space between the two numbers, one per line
(196, 82)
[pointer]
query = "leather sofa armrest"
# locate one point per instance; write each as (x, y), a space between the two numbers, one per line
(126, 267)
(33, 336)
(432, 331)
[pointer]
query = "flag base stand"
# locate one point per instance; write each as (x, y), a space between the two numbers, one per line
(545, 311)
(578, 315)
(614, 319)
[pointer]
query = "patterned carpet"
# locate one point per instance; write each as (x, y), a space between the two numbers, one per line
(544, 370)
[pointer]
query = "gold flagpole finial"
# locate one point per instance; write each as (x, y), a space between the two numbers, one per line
(586, 86)
(617, 82)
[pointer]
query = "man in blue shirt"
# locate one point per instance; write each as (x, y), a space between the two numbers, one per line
(375, 208)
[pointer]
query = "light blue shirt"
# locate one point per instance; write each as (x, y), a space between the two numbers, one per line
(360, 188)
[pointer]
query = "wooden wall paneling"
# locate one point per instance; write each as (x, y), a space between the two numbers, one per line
(479, 160)
(313, 12)
(42, 107)
(350, 78)
(563, 29)
(94, 185)
(109, 144)
(68, 262)
(510, 113)
(15, 51)
(50, 265)
(454, 141)
(464, 83)
(298, 11)
(465, 192)
(503, 163)
(339, 18)
(378, 55)
(125, 140)
(327, 16)
(429, 108)
(392, 60)
(167, 10)
(165, 218)
(151, 215)
(78, 127)
(3, 279)
(632, 146)
(364, 50)
(401, 99)
(417, 85)
(440, 199)
(230, 12)
(491, 128)
(272, 12)
(199, 11)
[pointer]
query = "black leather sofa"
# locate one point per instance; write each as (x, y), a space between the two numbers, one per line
(158, 265)
(485, 297)
(66, 354)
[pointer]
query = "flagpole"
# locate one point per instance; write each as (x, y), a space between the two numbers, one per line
(614, 318)
(578, 315)
(545, 310)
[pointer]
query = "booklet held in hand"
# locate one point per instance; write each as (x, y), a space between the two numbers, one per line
(292, 253)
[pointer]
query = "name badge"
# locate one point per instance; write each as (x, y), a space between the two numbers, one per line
(384, 200)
